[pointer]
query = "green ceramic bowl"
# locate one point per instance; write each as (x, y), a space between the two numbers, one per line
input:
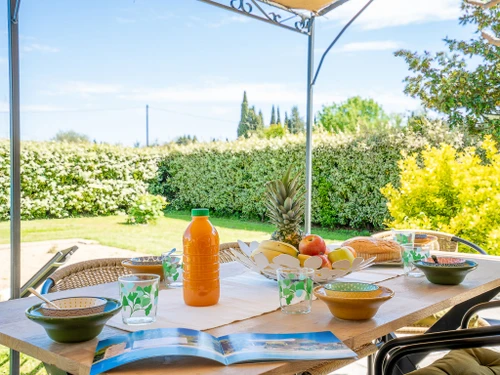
(74, 329)
(352, 290)
(443, 275)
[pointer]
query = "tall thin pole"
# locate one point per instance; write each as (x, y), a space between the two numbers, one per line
(15, 151)
(147, 125)
(309, 125)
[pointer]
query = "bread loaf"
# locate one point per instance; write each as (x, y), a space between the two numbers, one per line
(368, 247)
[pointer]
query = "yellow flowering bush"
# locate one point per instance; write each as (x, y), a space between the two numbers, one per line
(451, 191)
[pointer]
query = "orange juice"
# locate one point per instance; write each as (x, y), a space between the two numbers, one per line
(201, 261)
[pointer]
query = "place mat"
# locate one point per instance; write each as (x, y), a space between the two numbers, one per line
(374, 275)
(242, 297)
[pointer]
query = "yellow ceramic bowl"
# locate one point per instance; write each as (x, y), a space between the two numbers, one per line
(156, 269)
(354, 308)
(352, 290)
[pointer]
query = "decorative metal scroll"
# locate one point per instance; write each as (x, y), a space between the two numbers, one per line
(268, 12)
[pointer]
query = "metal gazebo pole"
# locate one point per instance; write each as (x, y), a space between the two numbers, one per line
(15, 150)
(309, 124)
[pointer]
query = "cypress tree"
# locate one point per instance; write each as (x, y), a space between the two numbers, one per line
(273, 116)
(243, 125)
(278, 119)
(261, 119)
(297, 124)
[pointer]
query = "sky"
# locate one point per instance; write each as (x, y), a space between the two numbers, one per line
(92, 66)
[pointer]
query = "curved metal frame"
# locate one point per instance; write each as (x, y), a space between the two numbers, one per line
(392, 351)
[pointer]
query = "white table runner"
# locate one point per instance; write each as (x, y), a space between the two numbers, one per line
(242, 297)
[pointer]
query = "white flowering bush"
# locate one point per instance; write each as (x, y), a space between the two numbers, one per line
(65, 180)
(146, 209)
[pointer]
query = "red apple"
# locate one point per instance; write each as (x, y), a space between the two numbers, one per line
(326, 262)
(312, 245)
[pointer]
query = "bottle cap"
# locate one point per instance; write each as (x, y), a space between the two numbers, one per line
(199, 212)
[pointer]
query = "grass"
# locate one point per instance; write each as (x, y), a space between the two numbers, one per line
(153, 238)
(29, 366)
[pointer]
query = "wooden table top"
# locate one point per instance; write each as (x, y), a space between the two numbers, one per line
(415, 298)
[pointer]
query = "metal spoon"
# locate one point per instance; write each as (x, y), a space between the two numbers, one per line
(51, 304)
(169, 253)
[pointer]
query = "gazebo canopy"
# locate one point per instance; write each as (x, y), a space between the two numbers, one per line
(316, 6)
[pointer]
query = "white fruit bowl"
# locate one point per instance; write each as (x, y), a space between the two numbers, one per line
(261, 264)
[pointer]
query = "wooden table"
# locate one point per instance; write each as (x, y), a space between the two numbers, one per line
(415, 298)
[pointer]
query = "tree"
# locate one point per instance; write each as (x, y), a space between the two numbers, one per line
(71, 136)
(278, 118)
(242, 126)
(296, 123)
(274, 131)
(352, 115)
(261, 118)
(273, 116)
(253, 120)
(185, 140)
(463, 83)
(286, 119)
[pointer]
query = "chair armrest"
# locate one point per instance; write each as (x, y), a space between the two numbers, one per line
(473, 310)
(49, 283)
(429, 346)
(388, 348)
(470, 244)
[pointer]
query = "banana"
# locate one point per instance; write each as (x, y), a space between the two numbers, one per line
(270, 254)
(278, 246)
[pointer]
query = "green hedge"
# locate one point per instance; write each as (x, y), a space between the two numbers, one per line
(348, 172)
(66, 179)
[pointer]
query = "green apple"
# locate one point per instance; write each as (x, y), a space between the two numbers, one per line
(340, 254)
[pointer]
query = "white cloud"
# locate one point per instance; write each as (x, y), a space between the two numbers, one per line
(216, 93)
(387, 13)
(85, 88)
(263, 94)
(32, 47)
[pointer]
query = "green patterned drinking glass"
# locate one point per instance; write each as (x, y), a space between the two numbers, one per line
(411, 254)
(139, 298)
(172, 270)
(295, 289)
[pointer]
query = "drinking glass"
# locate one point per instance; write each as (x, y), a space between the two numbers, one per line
(139, 298)
(172, 270)
(295, 289)
(411, 254)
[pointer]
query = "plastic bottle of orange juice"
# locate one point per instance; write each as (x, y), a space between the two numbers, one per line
(201, 261)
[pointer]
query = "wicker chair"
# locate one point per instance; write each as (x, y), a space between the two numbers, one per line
(446, 241)
(82, 274)
(101, 271)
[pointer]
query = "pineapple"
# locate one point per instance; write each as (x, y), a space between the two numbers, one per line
(285, 207)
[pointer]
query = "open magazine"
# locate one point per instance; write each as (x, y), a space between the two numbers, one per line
(240, 347)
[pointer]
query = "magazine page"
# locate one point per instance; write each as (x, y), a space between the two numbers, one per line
(253, 347)
(120, 350)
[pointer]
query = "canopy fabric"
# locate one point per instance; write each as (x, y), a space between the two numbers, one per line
(311, 5)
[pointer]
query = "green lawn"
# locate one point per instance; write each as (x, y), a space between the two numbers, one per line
(153, 238)
(29, 366)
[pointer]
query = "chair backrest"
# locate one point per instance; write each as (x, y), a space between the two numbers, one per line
(444, 240)
(88, 273)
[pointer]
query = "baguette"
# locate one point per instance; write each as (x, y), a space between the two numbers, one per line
(368, 247)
